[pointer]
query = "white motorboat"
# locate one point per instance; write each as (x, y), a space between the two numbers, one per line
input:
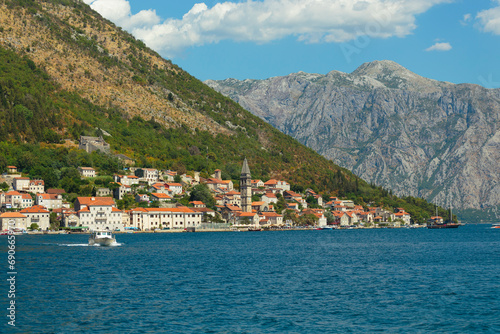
(102, 238)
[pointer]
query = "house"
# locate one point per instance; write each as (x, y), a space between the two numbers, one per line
(259, 206)
(56, 191)
(37, 186)
(341, 218)
(198, 204)
(269, 198)
(21, 184)
(13, 199)
(99, 213)
(11, 169)
(26, 201)
(161, 188)
(160, 197)
(173, 218)
(148, 175)
(367, 217)
(353, 218)
(13, 220)
(102, 192)
(292, 196)
(37, 215)
(292, 206)
(257, 184)
(233, 198)
(403, 216)
(274, 218)
(86, 171)
(277, 184)
(213, 184)
(121, 191)
(169, 175)
(142, 198)
(247, 218)
(86, 202)
(49, 201)
(128, 180)
(175, 188)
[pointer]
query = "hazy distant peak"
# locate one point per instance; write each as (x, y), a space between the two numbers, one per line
(393, 75)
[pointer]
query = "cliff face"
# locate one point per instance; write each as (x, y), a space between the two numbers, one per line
(416, 136)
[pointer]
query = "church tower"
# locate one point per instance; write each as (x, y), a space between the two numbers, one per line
(246, 188)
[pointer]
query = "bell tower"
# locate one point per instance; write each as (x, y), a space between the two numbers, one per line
(246, 188)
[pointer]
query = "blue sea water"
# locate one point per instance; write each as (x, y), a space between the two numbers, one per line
(348, 281)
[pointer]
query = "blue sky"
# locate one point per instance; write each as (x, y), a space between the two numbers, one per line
(448, 40)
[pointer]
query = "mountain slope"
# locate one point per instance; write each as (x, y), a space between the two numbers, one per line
(392, 127)
(67, 72)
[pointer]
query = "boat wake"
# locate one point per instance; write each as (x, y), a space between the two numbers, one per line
(114, 244)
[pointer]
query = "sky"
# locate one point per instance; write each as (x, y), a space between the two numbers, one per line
(448, 40)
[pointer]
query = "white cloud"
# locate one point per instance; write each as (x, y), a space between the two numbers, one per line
(310, 21)
(119, 12)
(440, 47)
(489, 20)
(466, 19)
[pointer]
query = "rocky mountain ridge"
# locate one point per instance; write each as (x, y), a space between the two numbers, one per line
(390, 126)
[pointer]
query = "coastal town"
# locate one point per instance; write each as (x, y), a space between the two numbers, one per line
(162, 200)
(27, 205)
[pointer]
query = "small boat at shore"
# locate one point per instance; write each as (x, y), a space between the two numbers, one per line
(102, 238)
(497, 225)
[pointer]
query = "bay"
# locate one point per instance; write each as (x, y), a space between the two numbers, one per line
(340, 281)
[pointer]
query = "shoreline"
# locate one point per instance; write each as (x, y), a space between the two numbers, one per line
(219, 230)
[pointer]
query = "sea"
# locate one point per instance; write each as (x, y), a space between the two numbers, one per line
(314, 281)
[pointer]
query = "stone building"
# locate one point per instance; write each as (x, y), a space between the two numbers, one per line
(91, 144)
(246, 188)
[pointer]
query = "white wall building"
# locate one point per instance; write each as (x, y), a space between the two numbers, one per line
(173, 218)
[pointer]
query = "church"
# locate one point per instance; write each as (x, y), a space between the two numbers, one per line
(246, 188)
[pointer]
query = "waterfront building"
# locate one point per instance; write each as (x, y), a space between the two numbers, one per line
(37, 215)
(172, 218)
(13, 220)
(99, 213)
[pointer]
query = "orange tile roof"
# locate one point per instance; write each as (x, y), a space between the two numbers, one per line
(101, 201)
(161, 195)
(270, 214)
(245, 214)
(13, 193)
(35, 209)
(12, 215)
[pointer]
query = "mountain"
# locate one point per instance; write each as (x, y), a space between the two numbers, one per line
(67, 72)
(417, 136)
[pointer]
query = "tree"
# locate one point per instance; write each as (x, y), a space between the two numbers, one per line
(4, 186)
(177, 178)
(34, 226)
(308, 220)
(54, 223)
(290, 215)
(201, 193)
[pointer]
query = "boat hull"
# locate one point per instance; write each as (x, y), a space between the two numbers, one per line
(102, 241)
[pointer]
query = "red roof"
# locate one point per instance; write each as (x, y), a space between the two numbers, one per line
(101, 201)
(12, 215)
(35, 209)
